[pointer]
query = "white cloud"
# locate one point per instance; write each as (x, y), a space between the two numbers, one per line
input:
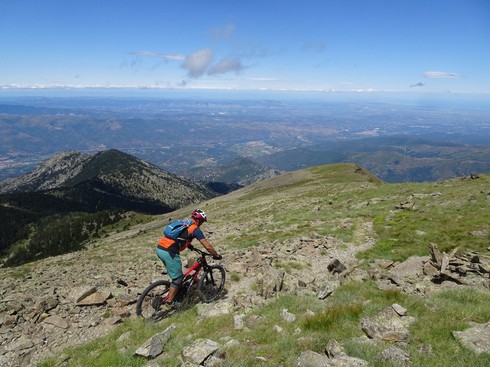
(197, 62)
(226, 65)
(441, 75)
(225, 32)
(173, 57)
(262, 79)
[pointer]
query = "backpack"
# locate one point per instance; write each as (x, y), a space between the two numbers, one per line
(174, 229)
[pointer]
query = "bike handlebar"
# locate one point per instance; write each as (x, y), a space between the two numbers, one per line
(204, 253)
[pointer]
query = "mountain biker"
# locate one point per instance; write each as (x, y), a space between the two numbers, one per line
(168, 250)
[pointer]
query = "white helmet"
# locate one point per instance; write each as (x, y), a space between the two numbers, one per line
(199, 215)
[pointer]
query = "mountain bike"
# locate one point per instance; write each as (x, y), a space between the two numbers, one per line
(207, 288)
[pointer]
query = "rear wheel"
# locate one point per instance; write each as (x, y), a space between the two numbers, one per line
(149, 304)
(212, 283)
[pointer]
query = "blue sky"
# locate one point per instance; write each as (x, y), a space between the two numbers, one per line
(329, 45)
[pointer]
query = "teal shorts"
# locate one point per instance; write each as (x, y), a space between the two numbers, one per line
(172, 262)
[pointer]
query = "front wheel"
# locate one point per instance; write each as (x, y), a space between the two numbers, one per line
(150, 301)
(212, 283)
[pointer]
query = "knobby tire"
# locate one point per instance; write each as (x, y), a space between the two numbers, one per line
(211, 283)
(150, 301)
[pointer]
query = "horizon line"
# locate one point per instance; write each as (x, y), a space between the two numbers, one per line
(38, 87)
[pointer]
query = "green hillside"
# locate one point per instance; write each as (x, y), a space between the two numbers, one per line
(340, 204)
(319, 198)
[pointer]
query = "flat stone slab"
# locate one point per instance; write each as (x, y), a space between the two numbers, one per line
(199, 351)
(476, 338)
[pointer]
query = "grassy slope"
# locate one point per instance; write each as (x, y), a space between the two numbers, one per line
(317, 200)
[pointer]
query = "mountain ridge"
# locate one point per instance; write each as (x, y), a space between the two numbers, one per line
(242, 170)
(122, 171)
(82, 186)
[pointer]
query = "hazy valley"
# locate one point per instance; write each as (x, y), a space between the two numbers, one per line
(406, 140)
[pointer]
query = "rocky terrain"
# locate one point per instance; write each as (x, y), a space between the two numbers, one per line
(71, 299)
(74, 298)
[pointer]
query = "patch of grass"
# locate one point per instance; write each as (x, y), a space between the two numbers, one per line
(268, 335)
(230, 238)
(289, 266)
(246, 242)
(334, 317)
(445, 216)
(20, 271)
(446, 312)
(108, 351)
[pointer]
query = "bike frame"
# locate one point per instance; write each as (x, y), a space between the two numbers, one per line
(191, 275)
(196, 268)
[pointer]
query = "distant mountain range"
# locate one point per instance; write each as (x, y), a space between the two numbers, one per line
(242, 141)
(393, 159)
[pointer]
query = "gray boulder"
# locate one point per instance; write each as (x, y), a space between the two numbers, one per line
(199, 351)
(387, 325)
(476, 338)
(153, 347)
